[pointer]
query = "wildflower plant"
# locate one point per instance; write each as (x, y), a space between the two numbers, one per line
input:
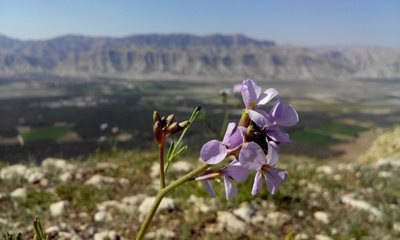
(249, 147)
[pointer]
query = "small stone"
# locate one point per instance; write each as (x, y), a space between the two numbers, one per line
(349, 200)
(58, 208)
(3, 221)
(52, 229)
(385, 174)
(18, 193)
(322, 237)
(300, 213)
(60, 164)
(396, 227)
(4, 196)
(155, 170)
(113, 235)
(134, 200)
(124, 181)
(65, 177)
(388, 162)
(17, 170)
(108, 204)
(99, 179)
(301, 236)
(230, 222)
(322, 217)
(325, 169)
(106, 166)
(34, 175)
(103, 216)
(161, 233)
(166, 204)
(103, 235)
(277, 218)
(244, 212)
(181, 166)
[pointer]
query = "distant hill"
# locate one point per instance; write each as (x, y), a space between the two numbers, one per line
(190, 57)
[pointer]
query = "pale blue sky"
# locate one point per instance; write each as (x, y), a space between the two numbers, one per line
(307, 22)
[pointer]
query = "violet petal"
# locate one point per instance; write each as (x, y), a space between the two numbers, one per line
(274, 179)
(250, 92)
(213, 152)
(209, 188)
(273, 154)
(257, 184)
(267, 96)
(278, 135)
(228, 133)
(237, 172)
(252, 156)
(259, 117)
(230, 188)
(283, 114)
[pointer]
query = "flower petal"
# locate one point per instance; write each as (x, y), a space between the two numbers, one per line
(278, 135)
(257, 184)
(252, 156)
(283, 114)
(267, 96)
(273, 153)
(250, 92)
(237, 137)
(228, 133)
(237, 172)
(213, 152)
(230, 189)
(274, 179)
(209, 188)
(259, 117)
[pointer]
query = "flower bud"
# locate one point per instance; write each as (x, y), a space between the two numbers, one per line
(173, 128)
(184, 124)
(170, 119)
(156, 116)
(158, 133)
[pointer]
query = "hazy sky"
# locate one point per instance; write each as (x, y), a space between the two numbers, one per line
(307, 22)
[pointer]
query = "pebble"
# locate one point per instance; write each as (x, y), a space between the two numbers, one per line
(301, 236)
(227, 220)
(161, 233)
(155, 170)
(276, 218)
(18, 193)
(9, 172)
(325, 169)
(166, 204)
(322, 237)
(322, 217)
(103, 216)
(60, 164)
(181, 166)
(99, 179)
(103, 235)
(349, 200)
(58, 208)
(388, 162)
(3, 221)
(34, 175)
(244, 212)
(396, 227)
(51, 230)
(65, 177)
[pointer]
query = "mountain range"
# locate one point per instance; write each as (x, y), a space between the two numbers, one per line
(191, 57)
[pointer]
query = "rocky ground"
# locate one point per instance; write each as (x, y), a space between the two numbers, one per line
(107, 196)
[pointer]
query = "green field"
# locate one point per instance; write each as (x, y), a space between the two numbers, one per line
(46, 133)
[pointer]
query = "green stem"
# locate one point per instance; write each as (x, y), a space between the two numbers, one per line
(145, 225)
(162, 172)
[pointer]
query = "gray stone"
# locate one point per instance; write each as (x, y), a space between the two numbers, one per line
(103, 216)
(99, 179)
(9, 172)
(227, 220)
(18, 193)
(322, 217)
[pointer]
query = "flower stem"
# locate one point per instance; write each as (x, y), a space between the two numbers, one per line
(161, 194)
(245, 119)
(162, 172)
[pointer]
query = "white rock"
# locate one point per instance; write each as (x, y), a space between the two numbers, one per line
(124, 181)
(396, 227)
(200, 205)
(230, 222)
(103, 235)
(181, 166)
(65, 177)
(161, 233)
(244, 212)
(17, 170)
(322, 237)
(103, 216)
(99, 179)
(113, 235)
(58, 208)
(385, 174)
(166, 204)
(300, 213)
(322, 217)
(60, 164)
(276, 218)
(133, 200)
(108, 204)
(348, 199)
(18, 193)
(52, 230)
(301, 236)
(106, 165)
(3, 221)
(34, 175)
(388, 162)
(155, 170)
(325, 169)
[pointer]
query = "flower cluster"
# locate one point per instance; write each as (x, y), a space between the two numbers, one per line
(252, 145)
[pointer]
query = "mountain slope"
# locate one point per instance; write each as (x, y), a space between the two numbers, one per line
(183, 56)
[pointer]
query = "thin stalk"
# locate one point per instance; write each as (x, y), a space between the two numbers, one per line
(161, 157)
(145, 225)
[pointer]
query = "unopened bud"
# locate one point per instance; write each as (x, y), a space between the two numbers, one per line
(170, 119)
(156, 116)
(173, 128)
(158, 133)
(184, 124)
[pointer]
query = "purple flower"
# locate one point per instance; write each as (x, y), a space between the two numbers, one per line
(252, 95)
(252, 157)
(215, 151)
(234, 171)
(281, 114)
